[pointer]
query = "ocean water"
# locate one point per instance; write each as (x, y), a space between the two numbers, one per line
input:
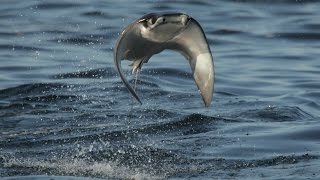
(65, 114)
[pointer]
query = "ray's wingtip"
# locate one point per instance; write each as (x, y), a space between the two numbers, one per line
(139, 101)
(207, 103)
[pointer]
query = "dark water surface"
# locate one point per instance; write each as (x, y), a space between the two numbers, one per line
(65, 114)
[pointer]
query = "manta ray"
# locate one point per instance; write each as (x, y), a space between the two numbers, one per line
(153, 33)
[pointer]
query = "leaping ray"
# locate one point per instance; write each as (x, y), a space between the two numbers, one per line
(154, 33)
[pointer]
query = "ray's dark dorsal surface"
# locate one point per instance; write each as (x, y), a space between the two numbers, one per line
(154, 33)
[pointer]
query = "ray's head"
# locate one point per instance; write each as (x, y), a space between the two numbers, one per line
(153, 26)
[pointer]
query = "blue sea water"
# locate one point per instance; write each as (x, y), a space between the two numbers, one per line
(65, 114)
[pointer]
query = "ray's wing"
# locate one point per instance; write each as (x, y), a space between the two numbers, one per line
(119, 52)
(192, 43)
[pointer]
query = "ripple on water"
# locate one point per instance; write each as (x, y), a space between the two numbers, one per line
(312, 26)
(299, 36)
(276, 114)
(95, 73)
(83, 40)
(22, 90)
(97, 14)
(55, 5)
(16, 47)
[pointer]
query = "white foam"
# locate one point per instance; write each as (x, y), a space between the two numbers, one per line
(79, 167)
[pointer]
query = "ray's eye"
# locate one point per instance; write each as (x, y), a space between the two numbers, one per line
(153, 20)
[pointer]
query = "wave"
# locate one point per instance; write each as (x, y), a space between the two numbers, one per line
(312, 26)
(56, 5)
(276, 114)
(167, 72)
(45, 177)
(111, 72)
(189, 2)
(97, 14)
(77, 167)
(225, 32)
(95, 73)
(141, 163)
(30, 89)
(276, 1)
(82, 40)
(299, 36)
(20, 48)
